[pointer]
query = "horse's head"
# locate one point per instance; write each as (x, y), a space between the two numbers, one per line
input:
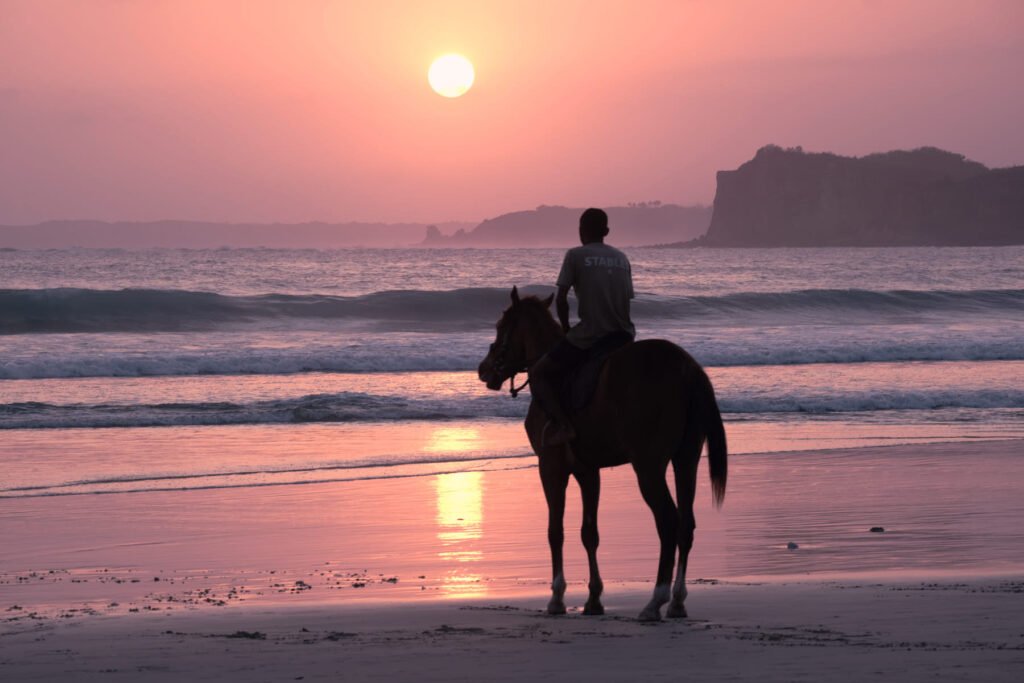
(525, 331)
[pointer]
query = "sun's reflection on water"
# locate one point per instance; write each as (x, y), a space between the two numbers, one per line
(453, 440)
(459, 527)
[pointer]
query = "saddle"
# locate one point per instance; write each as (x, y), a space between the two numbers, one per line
(580, 384)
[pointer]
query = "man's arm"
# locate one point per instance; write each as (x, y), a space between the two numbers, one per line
(562, 306)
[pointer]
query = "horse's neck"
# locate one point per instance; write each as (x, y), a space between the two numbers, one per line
(543, 339)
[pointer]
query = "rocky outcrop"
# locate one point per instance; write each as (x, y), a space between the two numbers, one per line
(787, 197)
(557, 226)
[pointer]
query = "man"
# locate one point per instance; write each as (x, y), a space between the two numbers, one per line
(602, 278)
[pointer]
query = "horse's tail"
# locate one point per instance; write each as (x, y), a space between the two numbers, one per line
(718, 458)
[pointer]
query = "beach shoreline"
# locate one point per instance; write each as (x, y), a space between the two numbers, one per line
(950, 506)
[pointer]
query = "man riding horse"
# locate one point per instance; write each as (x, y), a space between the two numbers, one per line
(653, 405)
(602, 278)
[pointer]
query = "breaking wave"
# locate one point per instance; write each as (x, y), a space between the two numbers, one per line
(462, 355)
(362, 407)
(150, 310)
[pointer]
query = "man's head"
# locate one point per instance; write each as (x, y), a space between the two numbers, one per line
(593, 226)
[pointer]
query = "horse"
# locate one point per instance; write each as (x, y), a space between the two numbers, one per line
(653, 404)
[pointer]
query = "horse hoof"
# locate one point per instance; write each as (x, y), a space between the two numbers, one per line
(556, 608)
(676, 612)
(649, 615)
(593, 610)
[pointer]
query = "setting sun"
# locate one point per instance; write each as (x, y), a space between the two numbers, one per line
(451, 75)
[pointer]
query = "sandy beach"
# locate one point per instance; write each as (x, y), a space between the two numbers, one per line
(445, 576)
(913, 631)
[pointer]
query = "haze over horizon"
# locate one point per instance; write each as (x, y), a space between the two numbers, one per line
(320, 111)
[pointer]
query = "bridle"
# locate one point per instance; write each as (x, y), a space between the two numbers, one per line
(498, 364)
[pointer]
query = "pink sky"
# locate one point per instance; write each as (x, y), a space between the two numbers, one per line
(264, 111)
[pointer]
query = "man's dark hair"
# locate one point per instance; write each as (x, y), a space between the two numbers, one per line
(594, 222)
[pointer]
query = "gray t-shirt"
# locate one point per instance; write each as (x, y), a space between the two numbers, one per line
(602, 278)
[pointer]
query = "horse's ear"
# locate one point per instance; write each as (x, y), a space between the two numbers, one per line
(547, 302)
(515, 295)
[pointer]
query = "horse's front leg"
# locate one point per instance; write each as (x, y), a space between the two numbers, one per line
(590, 486)
(554, 476)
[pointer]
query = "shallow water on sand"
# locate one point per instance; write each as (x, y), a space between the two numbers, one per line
(949, 509)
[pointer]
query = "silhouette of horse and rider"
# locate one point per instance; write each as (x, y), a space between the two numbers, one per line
(651, 404)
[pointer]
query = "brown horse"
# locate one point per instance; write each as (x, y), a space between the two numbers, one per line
(653, 405)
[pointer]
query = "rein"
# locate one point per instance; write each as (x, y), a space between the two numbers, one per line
(512, 385)
(499, 364)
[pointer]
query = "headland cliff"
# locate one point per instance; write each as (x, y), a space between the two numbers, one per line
(922, 197)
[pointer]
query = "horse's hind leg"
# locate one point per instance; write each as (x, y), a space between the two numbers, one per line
(554, 476)
(685, 467)
(656, 495)
(590, 486)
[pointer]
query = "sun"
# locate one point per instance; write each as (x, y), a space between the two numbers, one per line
(451, 75)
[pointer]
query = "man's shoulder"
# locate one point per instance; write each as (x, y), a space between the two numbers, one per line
(576, 255)
(618, 253)
(596, 249)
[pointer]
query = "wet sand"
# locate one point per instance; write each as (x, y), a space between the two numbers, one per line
(452, 569)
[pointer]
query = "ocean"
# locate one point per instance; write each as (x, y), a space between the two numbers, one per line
(167, 370)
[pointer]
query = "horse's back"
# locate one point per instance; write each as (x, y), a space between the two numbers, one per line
(643, 397)
(651, 360)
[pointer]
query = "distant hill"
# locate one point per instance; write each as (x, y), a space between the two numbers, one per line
(927, 196)
(199, 235)
(557, 226)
